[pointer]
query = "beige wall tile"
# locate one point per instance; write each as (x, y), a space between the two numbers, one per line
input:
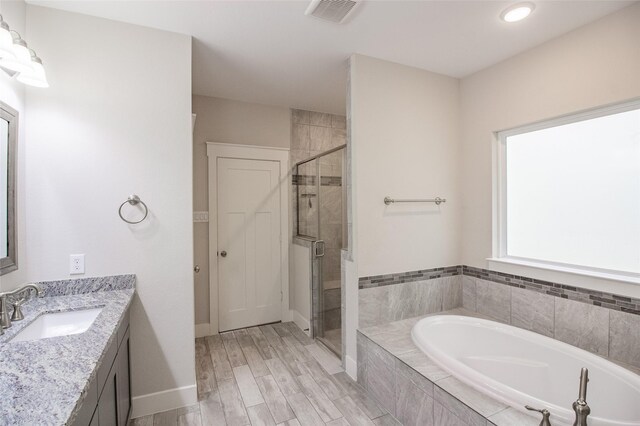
(582, 325)
(320, 138)
(532, 311)
(624, 344)
(319, 119)
(493, 300)
(300, 116)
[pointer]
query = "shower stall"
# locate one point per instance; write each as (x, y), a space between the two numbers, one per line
(321, 217)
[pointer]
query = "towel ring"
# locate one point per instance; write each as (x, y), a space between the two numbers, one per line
(133, 200)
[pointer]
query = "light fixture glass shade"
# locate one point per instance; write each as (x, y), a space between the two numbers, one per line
(22, 60)
(517, 12)
(37, 77)
(6, 41)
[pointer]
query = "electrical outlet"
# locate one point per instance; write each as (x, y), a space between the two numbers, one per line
(76, 264)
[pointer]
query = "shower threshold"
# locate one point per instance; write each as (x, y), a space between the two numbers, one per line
(332, 340)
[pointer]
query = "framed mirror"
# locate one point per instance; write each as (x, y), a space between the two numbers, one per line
(8, 142)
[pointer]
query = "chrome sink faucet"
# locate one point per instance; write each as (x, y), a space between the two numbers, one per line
(580, 407)
(18, 297)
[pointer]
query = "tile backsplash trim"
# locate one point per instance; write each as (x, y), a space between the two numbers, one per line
(592, 297)
(407, 277)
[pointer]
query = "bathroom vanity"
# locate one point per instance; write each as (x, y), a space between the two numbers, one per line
(108, 400)
(68, 361)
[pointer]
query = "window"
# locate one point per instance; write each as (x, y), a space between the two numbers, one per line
(569, 192)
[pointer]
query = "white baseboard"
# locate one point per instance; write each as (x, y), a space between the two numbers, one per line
(300, 321)
(351, 367)
(162, 401)
(288, 316)
(203, 330)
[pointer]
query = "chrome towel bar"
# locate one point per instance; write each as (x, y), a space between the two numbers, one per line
(437, 200)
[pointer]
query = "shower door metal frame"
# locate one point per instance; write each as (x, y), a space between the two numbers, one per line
(297, 168)
(317, 284)
(317, 307)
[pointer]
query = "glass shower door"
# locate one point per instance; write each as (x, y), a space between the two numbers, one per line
(321, 217)
(307, 201)
(331, 230)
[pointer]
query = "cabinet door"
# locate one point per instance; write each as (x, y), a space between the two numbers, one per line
(124, 381)
(108, 402)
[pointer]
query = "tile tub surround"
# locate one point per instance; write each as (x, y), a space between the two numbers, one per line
(597, 298)
(45, 381)
(573, 319)
(504, 297)
(407, 277)
(380, 305)
(417, 391)
(605, 332)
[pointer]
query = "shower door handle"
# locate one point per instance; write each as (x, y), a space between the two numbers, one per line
(318, 248)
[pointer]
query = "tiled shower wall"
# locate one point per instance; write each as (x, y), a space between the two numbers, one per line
(313, 133)
(605, 324)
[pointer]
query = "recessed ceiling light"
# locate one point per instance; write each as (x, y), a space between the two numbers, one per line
(517, 12)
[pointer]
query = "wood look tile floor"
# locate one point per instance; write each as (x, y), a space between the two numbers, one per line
(271, 375)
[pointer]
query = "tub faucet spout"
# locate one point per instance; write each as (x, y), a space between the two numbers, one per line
(581, 407)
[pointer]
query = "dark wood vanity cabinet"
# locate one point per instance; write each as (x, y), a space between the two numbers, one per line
(108, 401)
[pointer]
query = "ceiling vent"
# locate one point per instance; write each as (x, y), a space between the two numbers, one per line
(331, 10)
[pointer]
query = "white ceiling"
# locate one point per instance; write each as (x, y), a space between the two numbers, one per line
(269, 52)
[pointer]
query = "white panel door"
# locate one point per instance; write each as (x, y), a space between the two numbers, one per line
(249, 278)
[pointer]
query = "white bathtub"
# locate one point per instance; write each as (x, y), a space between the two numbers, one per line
(519, 368)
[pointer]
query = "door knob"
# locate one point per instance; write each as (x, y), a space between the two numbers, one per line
(223, 253)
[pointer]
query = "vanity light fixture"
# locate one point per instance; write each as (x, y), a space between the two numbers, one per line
(6, 40)
(35, 77)
(517, 12)
(16, 59)
(21, 62)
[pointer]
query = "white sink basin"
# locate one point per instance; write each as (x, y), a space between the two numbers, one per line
(58, 324)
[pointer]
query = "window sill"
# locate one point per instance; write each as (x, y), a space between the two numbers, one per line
(621, 277)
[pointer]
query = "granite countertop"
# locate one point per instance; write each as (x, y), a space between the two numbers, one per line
(45, 381)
